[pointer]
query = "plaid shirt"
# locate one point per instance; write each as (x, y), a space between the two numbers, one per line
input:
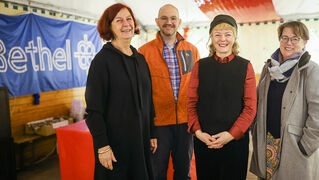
(173, 67)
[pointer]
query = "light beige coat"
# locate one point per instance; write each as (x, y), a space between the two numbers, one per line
(299, 122)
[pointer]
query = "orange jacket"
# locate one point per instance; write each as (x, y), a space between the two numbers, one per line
(167, 111)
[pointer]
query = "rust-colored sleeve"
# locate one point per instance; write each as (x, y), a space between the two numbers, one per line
(250, 102)
(193, 123)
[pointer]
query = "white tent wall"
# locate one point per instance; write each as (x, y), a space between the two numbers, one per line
(256, 41)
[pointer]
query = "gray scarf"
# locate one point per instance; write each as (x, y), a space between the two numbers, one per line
(281, 72)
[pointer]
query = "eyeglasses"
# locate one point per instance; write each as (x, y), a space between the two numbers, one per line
(285, 39)
(172, 19)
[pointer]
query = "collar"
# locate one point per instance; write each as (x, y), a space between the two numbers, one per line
(170, 47)
(109, 46)
(304, 59)
(225, 59)
(179, 37)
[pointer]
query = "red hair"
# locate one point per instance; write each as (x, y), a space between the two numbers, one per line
(105, 21)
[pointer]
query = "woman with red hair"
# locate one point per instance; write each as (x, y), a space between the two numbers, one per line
(118, 94)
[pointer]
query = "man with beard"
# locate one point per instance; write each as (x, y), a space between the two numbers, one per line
(170, 58)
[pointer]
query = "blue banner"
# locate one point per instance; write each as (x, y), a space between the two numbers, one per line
(40, 54)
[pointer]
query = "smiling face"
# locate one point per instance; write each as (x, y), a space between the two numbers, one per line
(123, 25)
(290, 43)
(168, 20)
(223, 41)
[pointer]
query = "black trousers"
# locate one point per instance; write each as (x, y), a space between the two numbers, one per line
(227, 163)
(174, 140)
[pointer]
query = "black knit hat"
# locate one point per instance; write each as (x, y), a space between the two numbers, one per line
(222, 18)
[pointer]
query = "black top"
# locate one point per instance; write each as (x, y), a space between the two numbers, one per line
(120, 112)
(131, 65)
(221, 92)
(274, 101)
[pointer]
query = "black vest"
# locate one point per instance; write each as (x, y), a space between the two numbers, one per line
(221, 92)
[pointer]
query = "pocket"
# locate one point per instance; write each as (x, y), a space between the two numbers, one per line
(296, 133)
(294, 130)
(187, 60)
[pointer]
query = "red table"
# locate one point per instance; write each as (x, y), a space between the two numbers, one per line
(75, 147)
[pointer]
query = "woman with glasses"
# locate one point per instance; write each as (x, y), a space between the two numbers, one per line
(286, 129)
(221, 105)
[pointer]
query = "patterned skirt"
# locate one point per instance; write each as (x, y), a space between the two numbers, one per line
(272, 155)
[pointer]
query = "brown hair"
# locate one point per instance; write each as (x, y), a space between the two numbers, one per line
(104, 23)
(223, 26)
(299, 28)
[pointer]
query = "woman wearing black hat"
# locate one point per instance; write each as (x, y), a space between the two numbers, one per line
(221, 105)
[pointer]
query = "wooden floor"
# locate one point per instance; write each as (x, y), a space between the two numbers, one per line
(50, 170)
(46, 170)
(250, 176)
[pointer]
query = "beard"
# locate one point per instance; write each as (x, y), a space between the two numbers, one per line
(168, 32)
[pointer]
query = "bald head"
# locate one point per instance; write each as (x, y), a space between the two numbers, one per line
(168, 21)
(168, 8)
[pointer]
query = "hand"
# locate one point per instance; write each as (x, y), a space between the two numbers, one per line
(153, 145)
(107, 158)
(221, 139)
(204, 137)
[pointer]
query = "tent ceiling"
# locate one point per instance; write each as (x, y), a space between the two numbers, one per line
(244, 11)
(147, 10)
(191, 11)
(297, 9)
(144, 10)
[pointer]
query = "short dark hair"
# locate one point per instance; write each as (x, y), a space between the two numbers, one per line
(105, 21)
(299, 28)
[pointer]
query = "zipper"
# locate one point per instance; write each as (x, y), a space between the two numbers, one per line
(175, 51)
(180, 75)
(184, 62)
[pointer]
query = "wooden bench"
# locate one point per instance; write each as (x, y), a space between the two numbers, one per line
(21, 141)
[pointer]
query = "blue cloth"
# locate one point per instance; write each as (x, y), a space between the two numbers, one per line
(36, 99)
(40, 54)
